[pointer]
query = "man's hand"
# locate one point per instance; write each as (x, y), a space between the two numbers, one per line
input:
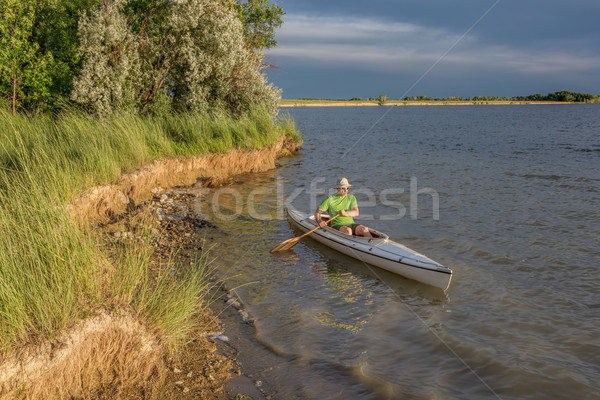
(343, 213)
(322, 223)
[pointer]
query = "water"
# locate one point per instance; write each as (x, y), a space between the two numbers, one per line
(518, 189)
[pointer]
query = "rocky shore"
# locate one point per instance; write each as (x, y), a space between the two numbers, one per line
(112, 353)
(207, 367)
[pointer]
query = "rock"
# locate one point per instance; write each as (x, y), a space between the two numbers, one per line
(177, 370)
(220, 337)
(179, 383)
(234, 303)
(186, 389)
(245, 316)
(164, 199)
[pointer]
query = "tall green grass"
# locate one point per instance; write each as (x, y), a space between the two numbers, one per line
(53, 271)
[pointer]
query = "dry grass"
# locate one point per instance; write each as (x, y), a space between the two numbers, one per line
(114, 354)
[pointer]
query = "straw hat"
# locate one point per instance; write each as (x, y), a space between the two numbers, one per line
(343, 183)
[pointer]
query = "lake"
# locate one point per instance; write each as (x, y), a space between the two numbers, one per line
(506, 196)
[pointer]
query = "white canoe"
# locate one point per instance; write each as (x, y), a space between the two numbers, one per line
(379, 251)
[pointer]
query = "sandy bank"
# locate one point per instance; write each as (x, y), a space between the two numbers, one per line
(102, 203)
(111, 355)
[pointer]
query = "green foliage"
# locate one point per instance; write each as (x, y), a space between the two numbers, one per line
(571, 97)
(563, 96)
(260, 20)
(192, 50)
(204, 54)
(56, 33)
(111, 65)
(24, 69)
(382, 99)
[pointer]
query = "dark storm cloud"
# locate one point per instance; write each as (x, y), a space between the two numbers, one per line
(531, 45)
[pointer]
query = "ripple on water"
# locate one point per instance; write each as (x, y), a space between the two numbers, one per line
(517, 224)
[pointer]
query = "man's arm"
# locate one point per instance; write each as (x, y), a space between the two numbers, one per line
(318, 218)
(351, 213)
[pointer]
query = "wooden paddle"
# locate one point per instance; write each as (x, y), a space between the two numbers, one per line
(290, 243)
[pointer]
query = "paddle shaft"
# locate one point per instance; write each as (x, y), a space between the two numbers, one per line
(314, 229)
(288, 244)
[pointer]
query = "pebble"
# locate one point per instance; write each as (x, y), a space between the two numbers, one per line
(179, 383)
(220, 337)
(233, 302)
(177, 370)
(245, 316)
(186, 389)
(124, 235)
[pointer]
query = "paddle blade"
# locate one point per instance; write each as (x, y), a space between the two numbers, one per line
(287, 245)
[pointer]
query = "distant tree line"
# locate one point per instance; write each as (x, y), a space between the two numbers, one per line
(140, 55)
(562, 96)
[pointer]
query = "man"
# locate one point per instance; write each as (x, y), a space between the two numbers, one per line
(344, 204)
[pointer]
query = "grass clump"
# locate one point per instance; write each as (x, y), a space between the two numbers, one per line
(54, 271)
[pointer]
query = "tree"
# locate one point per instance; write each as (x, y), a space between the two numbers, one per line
(55, 31)
(24, 68)
(192, 52)
(260, 20)
(109, 54)
(111, 62)
(382, 99)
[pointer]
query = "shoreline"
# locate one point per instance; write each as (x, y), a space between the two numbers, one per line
(115, 210)
(348, 103)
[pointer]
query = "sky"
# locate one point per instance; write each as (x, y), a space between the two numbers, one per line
(439, 48)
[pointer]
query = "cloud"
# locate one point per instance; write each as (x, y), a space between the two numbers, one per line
(523, 61)
(381, 46)
(304, 27)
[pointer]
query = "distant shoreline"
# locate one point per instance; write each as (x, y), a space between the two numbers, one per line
(350, 103)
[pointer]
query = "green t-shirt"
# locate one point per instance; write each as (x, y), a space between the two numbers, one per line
(333, 204)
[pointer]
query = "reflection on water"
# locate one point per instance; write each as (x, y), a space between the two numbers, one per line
(344, 289)
(518, 225)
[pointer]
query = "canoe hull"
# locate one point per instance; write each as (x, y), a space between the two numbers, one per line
(381, 252)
